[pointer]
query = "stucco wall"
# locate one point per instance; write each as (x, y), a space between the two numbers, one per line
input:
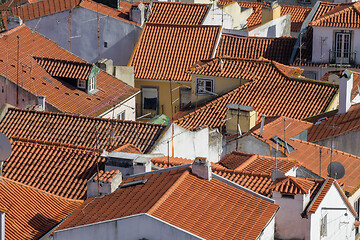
(269, 231)
(215, 16)
(129, 107)
(141, 226)
(190, 144)
(120, 36)
(326, 36)
(275, 28)
(339, 226)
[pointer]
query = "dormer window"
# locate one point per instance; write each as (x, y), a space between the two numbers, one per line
(204, 86)
(81, 84)
(92, 84)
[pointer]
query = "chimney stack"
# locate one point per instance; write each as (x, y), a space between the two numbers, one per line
(2, 225)
(137, 13)
(201, 167)
(345, 91)
(142, 164)
(270, 12)
(108, 183)
(262, 124)
(41, 101)
(13, 22)
(239, 115)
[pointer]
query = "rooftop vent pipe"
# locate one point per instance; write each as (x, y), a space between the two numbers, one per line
(262, 124)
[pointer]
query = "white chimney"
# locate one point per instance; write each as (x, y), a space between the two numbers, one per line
(2, 226)
(137, 13)
(108, 183)
(41, 101)
(345, 91)
(201, 167)
(142, 164)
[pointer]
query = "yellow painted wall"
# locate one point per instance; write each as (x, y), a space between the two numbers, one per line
(222, 86)
(164, 95)
(238, 14)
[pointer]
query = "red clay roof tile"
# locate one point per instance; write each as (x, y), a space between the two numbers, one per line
(178, 13)
(60, 94)
(106, 176)
(78, 130)
(293, 185)
(128, 148)
(287, 96)
(277, 49)
(31, 212)
(60, 169)
(165, 52)
(172, 191)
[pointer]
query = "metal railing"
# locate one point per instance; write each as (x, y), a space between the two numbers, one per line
(342, 58)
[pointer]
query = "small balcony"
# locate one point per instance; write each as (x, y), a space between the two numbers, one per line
(342, 58)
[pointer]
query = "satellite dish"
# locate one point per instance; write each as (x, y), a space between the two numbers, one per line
(277, 174)
(333, 78)
(336, 170)
(5, 148)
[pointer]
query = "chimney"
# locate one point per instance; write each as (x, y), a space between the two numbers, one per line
(13, 22)
(270, 12)
(106, 65)
(142, 164)
(108, 183)
(41, 101)
(345, 91)
(137, 13)
(239, 116)
(201, 167)
(262, 124)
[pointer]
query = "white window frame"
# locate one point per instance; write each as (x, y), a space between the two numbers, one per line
(92, 84)
(81, 83)
(121, 115)
(323, 226)
(201, 91)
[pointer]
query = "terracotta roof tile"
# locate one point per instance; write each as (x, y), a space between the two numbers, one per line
(171, 192)
(298, 14)
(277, 49)
(293, 185)
(30, 212)
(128, 148)
(178, 13)
(106, 176)
(292, 97)
(255, 163)
(59, 93)
(165, 162)
(165, 52)
(343, 123)
(343, 15)
(60, 169)
(78, 130)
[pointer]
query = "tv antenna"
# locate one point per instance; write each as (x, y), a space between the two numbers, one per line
(336, 170)
(5, 150)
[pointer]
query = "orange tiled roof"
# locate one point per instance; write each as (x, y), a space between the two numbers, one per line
(12, 3)
(60, 169)
(106, 176)
(31, 212)
(165, 52)
(167, 194)
(128, 148)
(277, 49)
(178, 13)
(343, 123)
(46, 7)
(272, 91)
(61, 95)
(308, 155)
(78, 130)
(293, 185)
(64, 68)
(166, 161)
(343, 15)
(255, 163)
(298, 14)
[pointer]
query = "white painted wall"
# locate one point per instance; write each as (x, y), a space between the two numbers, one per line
(140, 226)
(288, 221)
(339, 226)
(216, 16)
(120, 36)
(269, 231)
(326, 35)
(275, 28)
(190, 144)
(128, 106)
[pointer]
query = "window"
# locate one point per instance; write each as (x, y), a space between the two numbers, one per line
(342, 47)
(204, 86)
(121, 115)
(305, 1)
(287, 196)
(105, 44)
(323, 227)
(149, 98)
(81, 84)
(185, 96)
(92, 84)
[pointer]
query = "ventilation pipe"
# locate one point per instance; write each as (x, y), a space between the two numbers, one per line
(262, 124)
(345, 91)
(41, 101)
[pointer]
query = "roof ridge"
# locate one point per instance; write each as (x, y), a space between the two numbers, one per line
(64, 60)
(181, 3)
(52, 143)
(2, 178)
(296, 181)
(83, 116)
(336, 12)
(169, 191)
(235, 171)
(182, 25)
